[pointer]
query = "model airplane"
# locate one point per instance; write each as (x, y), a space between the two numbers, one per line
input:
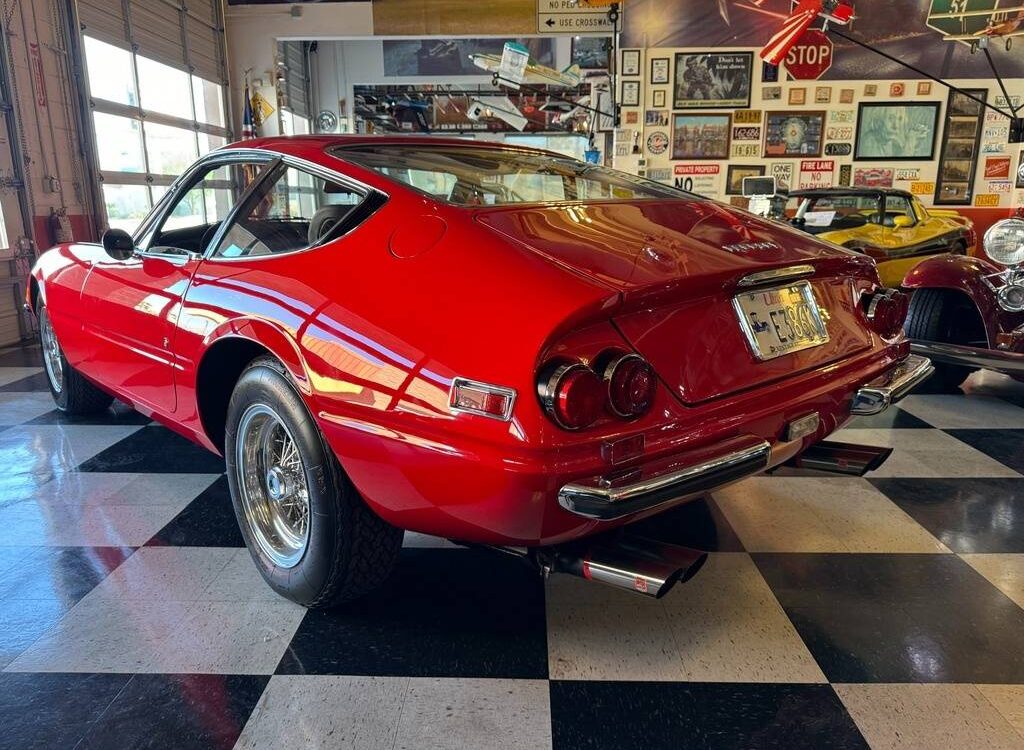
(535, 73)
(499, 107)
(779, 45)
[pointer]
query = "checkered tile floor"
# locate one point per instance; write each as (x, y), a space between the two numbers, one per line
(885, 612)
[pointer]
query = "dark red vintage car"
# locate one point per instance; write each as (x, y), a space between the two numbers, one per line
(491, 344)
(968, 313)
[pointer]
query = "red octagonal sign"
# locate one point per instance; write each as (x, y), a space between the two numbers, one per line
(810, 57)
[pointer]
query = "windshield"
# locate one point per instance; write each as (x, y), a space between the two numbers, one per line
(835, 212)
(481, 176)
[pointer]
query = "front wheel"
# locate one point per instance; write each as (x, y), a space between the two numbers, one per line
(948, 317)
(71, 392)
(312, 536)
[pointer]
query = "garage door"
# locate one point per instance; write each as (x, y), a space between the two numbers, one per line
(11, 224)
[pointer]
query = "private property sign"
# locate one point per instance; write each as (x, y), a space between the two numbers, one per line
(810, 57)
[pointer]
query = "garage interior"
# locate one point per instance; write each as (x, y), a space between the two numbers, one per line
(881, 611)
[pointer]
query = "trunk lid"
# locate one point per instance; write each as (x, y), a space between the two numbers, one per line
(676, 265)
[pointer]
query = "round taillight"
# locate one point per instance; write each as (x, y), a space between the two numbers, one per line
(631, 385)
(574, 396)
(887, 312)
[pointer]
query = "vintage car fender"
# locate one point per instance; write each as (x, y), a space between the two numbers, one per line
(964, 274)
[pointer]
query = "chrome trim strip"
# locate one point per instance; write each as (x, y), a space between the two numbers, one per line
(595, 498)
(1009, 363)
(880, 394)
(510, 393)
(775, 274)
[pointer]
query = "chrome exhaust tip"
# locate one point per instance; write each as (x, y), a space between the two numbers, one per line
(841, 458)
(631, 563)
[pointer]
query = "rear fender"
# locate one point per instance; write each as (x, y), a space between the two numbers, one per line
(964, 274)
(272, 338)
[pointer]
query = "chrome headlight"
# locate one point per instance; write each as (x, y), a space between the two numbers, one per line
(1004, 242)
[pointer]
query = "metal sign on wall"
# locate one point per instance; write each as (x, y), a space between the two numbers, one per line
(810, 57)
(569, 17)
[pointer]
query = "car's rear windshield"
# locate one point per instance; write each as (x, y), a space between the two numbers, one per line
(481, 176)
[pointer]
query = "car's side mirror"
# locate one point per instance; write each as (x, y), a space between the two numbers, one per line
(118, 244)
(902, 222)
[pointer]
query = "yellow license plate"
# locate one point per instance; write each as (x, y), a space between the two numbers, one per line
(780, 321)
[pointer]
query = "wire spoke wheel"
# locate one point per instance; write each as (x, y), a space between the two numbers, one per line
(51, 353)
(272, 480)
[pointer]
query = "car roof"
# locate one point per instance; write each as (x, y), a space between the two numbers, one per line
(296, 145)
(865, 191)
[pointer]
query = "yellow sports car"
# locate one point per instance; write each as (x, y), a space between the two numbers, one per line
(888, 225)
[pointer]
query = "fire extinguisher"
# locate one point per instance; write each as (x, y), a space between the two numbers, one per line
(60, 226)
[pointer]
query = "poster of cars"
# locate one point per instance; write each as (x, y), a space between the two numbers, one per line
(889, 130)
(432, 57)
(699, 136)
(873, 178)
(591, 52)
(712, 80)
(793, 133)
(961, 144)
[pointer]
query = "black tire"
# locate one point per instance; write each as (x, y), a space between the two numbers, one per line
(349, 550)
(72, 393)
(947, 317)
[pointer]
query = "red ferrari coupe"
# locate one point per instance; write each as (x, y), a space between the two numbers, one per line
(497, 345)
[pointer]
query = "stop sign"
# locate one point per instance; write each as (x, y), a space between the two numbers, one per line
(810, 57)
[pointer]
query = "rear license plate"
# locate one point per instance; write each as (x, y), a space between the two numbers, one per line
(780, 321)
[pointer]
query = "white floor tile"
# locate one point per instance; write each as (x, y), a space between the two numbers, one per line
(925, 453)
(964, 411)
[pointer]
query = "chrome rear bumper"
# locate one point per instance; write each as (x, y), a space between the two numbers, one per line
(883, 392)
(1010, 363)
(605, 498)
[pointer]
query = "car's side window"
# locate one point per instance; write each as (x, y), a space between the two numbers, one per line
(290, 211)
(199, 211)
(897, 205)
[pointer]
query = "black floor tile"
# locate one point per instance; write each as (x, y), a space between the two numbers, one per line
(1005, 446)
(28, 384)
(699, 524)
(664, 716)
(117, 414)
(899, 618)
(891, 418)
(53, 710)
(61, 574)
(177, 711)
(21, 356)
(967, 515)
(155, 450)
(208, 521)
(445, 613)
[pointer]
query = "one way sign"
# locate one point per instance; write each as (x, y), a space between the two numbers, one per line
(571, 17)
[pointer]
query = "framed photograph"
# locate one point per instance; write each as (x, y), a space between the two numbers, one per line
(823, 95)
(924, 88)
(769, 73)
(771, 93)
(630, 62)
(961, 144)
(870, 89)
(965, 106)
(890, 130)
(713, 80)
(656, 118)
(797, 96)
(658, 98)
(794, 134)
(734, 179)
(659, 70)
(701, 136)
(630, 94)
(846, 96)
(591, 52)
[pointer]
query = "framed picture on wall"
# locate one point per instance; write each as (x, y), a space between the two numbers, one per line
(734, 179)
(961, 142)
(701, 136)
(591, 52)
(659, 70)
(630, 62)
(713, 80)
(630, 93)
(896, 130)
(797, 96)
(658, 98)
(793, 133)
